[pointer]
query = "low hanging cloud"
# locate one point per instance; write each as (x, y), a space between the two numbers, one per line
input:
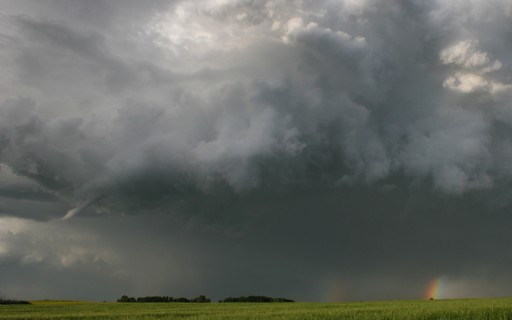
(202, 95)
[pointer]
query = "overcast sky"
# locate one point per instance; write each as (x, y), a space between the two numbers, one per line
(319, 150)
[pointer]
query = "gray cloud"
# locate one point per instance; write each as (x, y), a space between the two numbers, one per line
(369, 132)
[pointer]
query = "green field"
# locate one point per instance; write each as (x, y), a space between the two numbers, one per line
(438, 309)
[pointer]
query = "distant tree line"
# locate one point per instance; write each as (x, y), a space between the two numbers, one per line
(200, 299)
(255, 299)
(10, 301)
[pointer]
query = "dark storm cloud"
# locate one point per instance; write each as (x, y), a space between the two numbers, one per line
(366, 142)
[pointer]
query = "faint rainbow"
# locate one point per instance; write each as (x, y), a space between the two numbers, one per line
(333, 290)
(435, 288)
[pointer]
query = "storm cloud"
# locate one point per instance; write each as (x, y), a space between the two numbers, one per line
(363, 144)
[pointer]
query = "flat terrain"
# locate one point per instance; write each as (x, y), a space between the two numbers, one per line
(488, 309)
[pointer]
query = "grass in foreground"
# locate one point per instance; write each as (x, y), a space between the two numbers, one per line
(488, 309)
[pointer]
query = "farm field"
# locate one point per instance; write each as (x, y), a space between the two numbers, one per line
(488, 309)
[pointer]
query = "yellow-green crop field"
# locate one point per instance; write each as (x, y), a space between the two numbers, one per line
(488, 309)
